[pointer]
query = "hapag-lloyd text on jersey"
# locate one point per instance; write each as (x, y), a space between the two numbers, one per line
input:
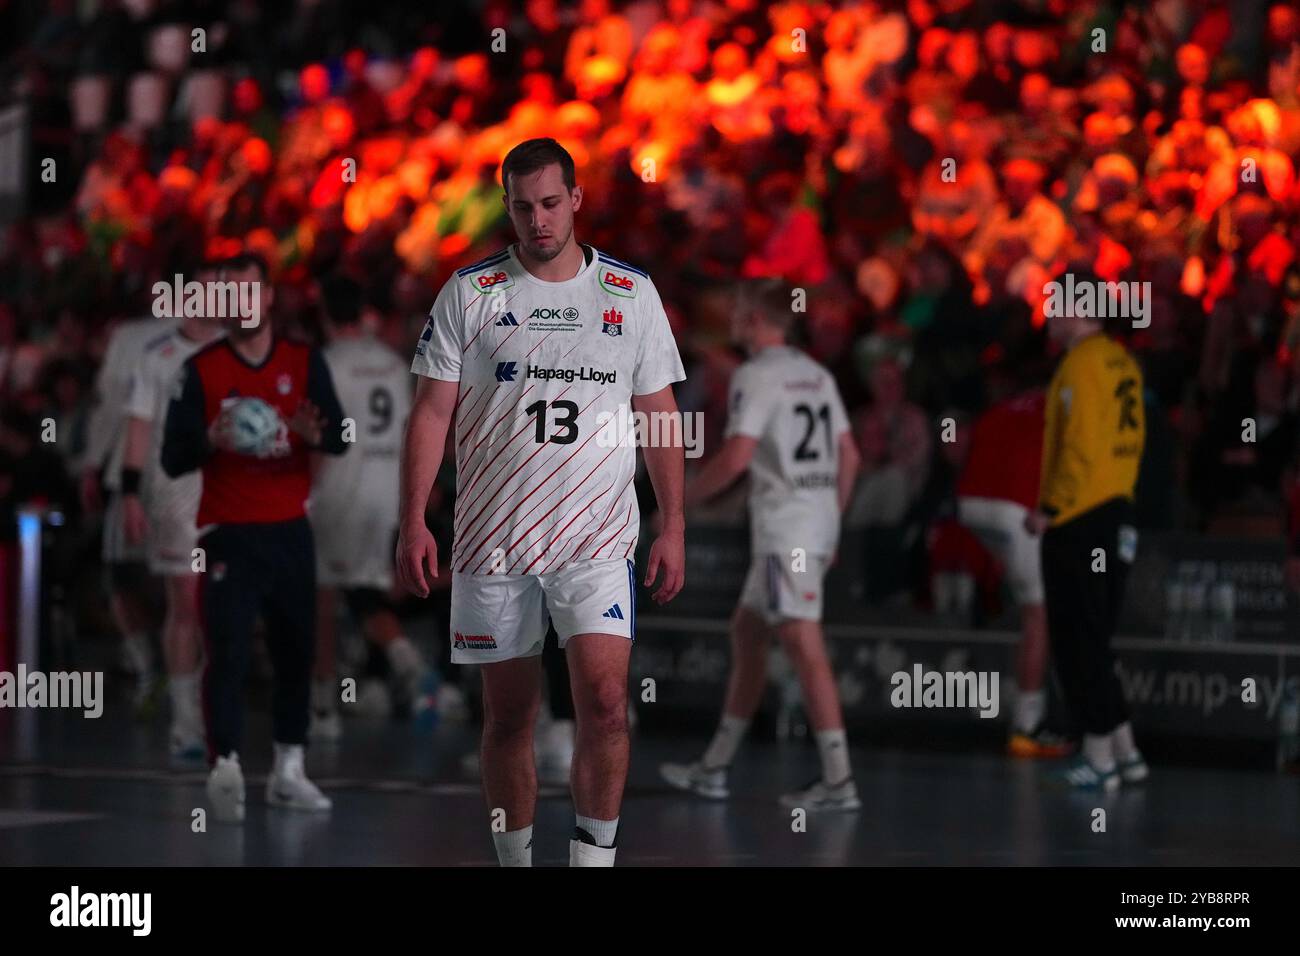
(651, 430)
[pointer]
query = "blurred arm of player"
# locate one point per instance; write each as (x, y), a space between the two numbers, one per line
(666, 466)
(187, 440)
(100, 430)
(422, 451)
(134, 521)
(722, 470)
(318, 420)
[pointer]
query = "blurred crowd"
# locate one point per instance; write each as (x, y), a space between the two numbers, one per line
(920, 168)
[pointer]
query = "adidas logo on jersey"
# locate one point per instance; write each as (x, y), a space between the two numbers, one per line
(475, 642)
(507, 319)
(572, 374)
(615, 612)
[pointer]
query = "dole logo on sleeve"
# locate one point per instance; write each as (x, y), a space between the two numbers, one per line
(618, 283)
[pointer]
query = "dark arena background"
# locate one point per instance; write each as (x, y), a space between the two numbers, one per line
(926, 177)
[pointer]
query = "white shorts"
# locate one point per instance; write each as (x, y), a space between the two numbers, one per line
(776, 591)
(498, 617)
(116, 549)
(354, 549)
(1000, 525)
(172, 505)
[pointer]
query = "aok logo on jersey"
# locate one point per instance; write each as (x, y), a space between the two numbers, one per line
(493, 281)
(618, 283)
(554, 320)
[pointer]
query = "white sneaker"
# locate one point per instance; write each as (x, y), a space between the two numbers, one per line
(288, 786)
(710, 782)
(820, 796)
(326, 727)
(226, 790)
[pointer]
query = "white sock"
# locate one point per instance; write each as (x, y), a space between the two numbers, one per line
(602, 831)
(288, 760)
(1097, 748)
(1121, 739)
(833, 748)
(184, 692)
(584, 854)
(404, 657)
(1030, 705)
(726, 741)
(324, 695)
(515, 847)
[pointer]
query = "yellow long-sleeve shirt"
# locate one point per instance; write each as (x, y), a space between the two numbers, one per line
(1095, 429)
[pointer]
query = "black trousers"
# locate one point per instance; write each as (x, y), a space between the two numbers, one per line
(1083, 608)
(252, 569)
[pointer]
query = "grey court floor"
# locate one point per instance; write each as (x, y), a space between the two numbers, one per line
(77, 792)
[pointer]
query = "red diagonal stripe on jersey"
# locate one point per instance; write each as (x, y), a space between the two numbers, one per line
(559, 535)
(527, 426)
(604, 522)
(465, 535)
(473, 429)
(479, 404)
(539, 344)
(519, 540)
(478, 544)
(507, 339)
(615, 535)
(494, 316)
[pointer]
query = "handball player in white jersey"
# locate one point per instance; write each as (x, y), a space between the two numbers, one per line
(533, 351)
(787, 427)
(160, 512)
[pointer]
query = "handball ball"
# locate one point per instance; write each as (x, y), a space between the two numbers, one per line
(254, 425)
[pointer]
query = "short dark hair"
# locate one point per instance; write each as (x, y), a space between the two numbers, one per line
(245, 260)
(534, 154)
(340, 297)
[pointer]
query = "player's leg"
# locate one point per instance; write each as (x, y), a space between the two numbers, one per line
(1074, 618)
(325, 724)
(499, 621)
(746, 682)
(598, 666)
(290, 613)
(1122, 552)
(127, 580)
(553, 740)
(799, 606)
(229, 596)
(1020, 554)
(593, 606)
(183, 652)
(512, 695)
(383, 628)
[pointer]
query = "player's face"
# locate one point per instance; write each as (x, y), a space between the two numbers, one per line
(541, 209)
(235, 324)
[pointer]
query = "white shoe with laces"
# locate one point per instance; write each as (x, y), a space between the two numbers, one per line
(288, 786)
(821, 796)
(226, 790)
(710, 782)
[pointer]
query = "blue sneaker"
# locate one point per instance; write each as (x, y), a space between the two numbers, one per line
(1082, 775)
(1133, 769)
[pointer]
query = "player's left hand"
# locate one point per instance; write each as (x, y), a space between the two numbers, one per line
(1036, 522)
(669, 554)
(308, 423)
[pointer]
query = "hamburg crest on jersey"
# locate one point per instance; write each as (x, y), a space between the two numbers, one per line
(613, 322)
(619, 283)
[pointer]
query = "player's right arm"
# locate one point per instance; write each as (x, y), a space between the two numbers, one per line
(426, 437)
(100, 430)
(438, 361)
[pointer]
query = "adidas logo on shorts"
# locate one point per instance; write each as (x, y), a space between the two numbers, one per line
(615, 612)
(474, 642)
